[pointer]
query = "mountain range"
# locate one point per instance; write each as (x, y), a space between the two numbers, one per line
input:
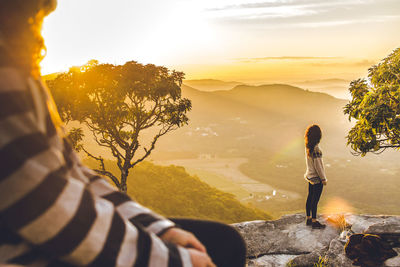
(211, 84)
(335, 86)
(266, 124)
(257, 117)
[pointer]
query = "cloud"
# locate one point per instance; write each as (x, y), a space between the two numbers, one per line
(307, 13)
(359, 63)
(312, 61)
(287, 58)
(280, 3)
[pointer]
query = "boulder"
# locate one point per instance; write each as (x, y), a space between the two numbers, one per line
(360, 223)
(388, 229)
(384, 226)
(287, 235)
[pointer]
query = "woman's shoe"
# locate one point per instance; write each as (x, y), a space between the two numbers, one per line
(309, 222)
(318, 225)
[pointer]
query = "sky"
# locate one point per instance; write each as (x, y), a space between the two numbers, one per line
(233, 40)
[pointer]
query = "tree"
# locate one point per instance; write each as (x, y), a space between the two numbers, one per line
(375, 105)
(117, 103)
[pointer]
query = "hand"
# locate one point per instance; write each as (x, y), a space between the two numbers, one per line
(200, 259)
(183, 238)
(324, 182)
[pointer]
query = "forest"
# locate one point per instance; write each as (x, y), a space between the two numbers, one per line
(172, 192)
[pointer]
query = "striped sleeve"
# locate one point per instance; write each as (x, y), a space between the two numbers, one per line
(127, 208)
(55, 213)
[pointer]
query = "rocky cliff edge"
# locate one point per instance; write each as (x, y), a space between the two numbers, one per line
(289, 242)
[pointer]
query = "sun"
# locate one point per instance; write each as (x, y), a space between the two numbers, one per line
(185, 32)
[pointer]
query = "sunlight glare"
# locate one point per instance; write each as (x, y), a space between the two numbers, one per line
(337, 206)
(336, 211)
(184, 32)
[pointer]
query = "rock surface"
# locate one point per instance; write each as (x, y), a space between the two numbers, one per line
(288, 239)
(271, 260)
(394, 262)
(336, 256)
(288, 235)
(309, 259)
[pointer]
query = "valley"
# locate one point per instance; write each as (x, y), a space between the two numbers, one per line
(248, 141)
(229, 178)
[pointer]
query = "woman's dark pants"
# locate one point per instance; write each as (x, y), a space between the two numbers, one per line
(314, 193)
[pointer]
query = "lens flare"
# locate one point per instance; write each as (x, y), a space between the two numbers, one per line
(335, 212)
(337, 205)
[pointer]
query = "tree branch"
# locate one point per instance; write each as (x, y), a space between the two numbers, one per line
(103, 170)
(153, 143)
(158, 106)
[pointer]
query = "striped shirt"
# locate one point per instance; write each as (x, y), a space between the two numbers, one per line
(53, 210)
(315, 172)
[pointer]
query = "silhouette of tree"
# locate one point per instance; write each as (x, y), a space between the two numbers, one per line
(117, 103)
(375, 105)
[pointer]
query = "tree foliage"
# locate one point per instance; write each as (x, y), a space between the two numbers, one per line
(117, 103)
(172, 192)
(375, 105)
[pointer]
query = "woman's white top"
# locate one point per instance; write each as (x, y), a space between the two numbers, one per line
(315, 172)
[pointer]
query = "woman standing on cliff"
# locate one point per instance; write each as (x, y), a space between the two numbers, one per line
(315, 174)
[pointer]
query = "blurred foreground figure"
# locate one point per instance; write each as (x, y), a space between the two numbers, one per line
(53, 210)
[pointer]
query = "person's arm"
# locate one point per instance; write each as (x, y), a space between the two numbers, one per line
(146, 218)
(127, 208)
(56, 213)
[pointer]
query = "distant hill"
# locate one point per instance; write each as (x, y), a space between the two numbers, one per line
(335, 87)
(285, 99)
(245, 119)
(327, 82)
(172, 192)
(210, 84)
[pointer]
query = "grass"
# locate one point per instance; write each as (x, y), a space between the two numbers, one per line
(219, 182)
(322, 262)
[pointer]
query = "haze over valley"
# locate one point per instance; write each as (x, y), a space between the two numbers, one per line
(248, 141)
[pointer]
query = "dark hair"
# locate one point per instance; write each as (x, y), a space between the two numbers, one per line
(20, 31)
(312, 137)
